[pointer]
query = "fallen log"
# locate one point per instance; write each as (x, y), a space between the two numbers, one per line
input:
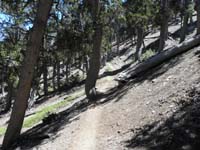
(158, 59)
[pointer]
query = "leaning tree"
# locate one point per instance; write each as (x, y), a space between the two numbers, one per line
(26, 74)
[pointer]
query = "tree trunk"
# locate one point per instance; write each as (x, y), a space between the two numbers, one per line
(164, 24)
(67, 72)
(185, 23)
(118, 43)
(9, 96)
(140, 36)
(198, 15)
(45, 78)
(58, 74)
(94, 64)
(95, 58)
(86, 63)
(133, 71)
(184, 27)
(54, 76)
(27, 71)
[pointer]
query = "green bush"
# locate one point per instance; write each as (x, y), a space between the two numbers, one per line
(149, 53)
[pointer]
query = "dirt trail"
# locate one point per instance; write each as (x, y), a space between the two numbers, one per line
(85, 137)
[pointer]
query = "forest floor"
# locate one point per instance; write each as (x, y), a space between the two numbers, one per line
(158, 111)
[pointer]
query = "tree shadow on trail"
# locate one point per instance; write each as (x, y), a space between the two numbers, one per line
(181, 131)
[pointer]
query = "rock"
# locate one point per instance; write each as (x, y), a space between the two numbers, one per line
(154, 80)
(186, 147)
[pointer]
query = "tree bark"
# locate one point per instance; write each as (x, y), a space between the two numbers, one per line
(184, 27)
(54, 76)
(27, 71)
(45, 78)
(185, 22)
(198, 16)
(67, 73)
(164, 24)
(133, 71)
(58, 74)
(94, 64)
(9, 96)
(140, 38)
(86, 63)
(118, 43)
(95, 58)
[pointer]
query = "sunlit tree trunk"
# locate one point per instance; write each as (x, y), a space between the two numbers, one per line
(140, 38)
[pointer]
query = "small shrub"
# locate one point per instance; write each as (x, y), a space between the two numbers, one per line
(149, 53)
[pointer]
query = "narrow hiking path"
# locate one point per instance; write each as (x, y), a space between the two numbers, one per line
(81, 133)
(85, 136)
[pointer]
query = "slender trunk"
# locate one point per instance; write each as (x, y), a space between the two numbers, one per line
(45, 79)
(185, 23)
(9, 97)
(132, 40)
(58, 74)
(86, 63)
(198, 15)
(164, 25)
(95, 58)
(94, 64)
(26, 75)
(181, 25)
(184, 27)
(54, 75)
(118, 43)
(138, 53)
(67, 73)
(36, 80)
(175, 17)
